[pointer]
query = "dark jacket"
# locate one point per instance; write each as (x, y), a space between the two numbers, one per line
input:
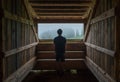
(60, 43)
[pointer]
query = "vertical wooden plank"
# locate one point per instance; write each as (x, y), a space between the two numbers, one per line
(8, 34)
(24, 42)
(113, 33)
(1, 58)
(3, 25)
(9, 6)
(18, 34)
(11, 64)
(108, 59)
(13, 6)
(13, 34)
(22, 34)
(113, 45)
(2, 63)
(17, 7)
(19, 60)
(117, 42)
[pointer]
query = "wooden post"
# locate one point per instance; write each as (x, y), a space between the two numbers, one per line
(1, 41)
(1, 57)
(117, 42)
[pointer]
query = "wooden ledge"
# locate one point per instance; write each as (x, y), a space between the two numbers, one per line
(104, 50)
(17, 50)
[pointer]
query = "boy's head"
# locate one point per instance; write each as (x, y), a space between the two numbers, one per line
(59, 31)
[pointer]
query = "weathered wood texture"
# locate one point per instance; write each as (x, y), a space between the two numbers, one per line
(1, 45)
(74, 56)
(51, 64)
(69, 47)
(117, 18)
(68, 54)
(101, 42)
(18, 40)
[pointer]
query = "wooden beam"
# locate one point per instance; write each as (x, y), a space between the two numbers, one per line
(15, 17)
(30, 16)
(59, 1)
(81, 59)
(61, 11)
(29, 10)
(104, 50)
(57, 4)
(87, 13)
(36, 36)
(90, 13)
(104, 16)
(2, 64)
(65, 52)
(88, 26)
(99, 73)
(1, 43)
(117, 41)
(22, 72)
(53, 9)
(60, 17)
(61, 20)
(14, 51)
(55, 13)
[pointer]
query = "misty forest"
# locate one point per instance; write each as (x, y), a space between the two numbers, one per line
(69, 33)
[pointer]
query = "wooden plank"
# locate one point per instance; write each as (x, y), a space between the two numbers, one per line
(117, 41)
(87, 26)
(57, 4)
(23, 35)
(69, 47)
(22, 72)
(68, 54)
(35, 33)
(104, 16)
(14, 51)
(9, 24)
(65, 52)
(30, 12)
(13, 6)
(91, 11)
(18, 35)
(1, 43)
(100, 74)
(104, 50)
(11, 63)
(52, 9)
(16, 18)
(53, 65)
(13, 35)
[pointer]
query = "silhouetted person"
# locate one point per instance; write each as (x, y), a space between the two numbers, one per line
(60, 43)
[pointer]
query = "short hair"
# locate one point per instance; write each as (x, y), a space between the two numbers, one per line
(59, 31)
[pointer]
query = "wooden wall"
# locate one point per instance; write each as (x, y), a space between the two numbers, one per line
(102, 42)
(18, 40)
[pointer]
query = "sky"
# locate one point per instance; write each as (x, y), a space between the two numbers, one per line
(42, 27)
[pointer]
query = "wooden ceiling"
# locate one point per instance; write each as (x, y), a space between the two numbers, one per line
(61, 9)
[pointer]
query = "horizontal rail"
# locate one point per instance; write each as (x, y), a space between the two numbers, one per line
(104, 16)
(104, 50)
(17, 50)
(57, 4)
(66, 51)
(22, 72)
(98, 72)
(11, 16)
(65, 59)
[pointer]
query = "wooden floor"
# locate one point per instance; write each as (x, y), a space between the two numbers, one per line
(68, 76)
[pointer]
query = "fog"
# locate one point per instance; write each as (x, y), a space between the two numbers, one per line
(70, 30)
